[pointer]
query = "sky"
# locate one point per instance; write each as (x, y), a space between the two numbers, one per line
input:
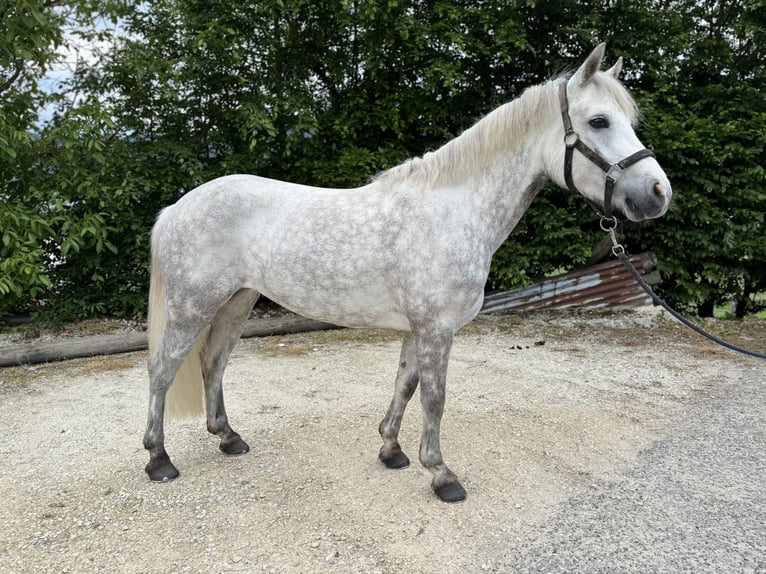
(74, 51)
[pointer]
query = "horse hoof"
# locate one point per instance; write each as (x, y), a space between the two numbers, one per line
(235, 446)
(451, 492)
(397, 461)
(161, 470)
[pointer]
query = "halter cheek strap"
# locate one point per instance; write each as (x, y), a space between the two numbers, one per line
(612, 170)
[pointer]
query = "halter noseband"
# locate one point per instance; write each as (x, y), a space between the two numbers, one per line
(612, 170)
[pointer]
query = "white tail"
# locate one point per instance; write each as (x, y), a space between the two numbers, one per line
(185, 397)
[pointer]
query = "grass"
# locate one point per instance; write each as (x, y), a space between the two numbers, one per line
(725, 311)
(18, 377)
(290, 348)
(21, 377)
(37, 329)
(106, 363)
(298, 344)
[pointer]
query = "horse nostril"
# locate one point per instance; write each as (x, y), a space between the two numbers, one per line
(660, 190)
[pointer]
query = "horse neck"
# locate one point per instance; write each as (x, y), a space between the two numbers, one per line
(500, 195)
(497, 164)
(513, 169)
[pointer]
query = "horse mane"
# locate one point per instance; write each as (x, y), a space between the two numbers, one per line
(501, 130)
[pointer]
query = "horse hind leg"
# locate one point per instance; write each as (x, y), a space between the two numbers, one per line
(179, 331)
(223, 335)
(172, 350)
(391, 453)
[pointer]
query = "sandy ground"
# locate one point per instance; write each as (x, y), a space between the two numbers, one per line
(528, 427)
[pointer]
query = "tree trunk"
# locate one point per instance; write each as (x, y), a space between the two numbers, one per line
(706, 308)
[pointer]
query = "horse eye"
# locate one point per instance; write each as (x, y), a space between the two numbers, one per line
(599, 123)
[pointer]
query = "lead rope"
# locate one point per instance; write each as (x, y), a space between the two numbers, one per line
(610, 225)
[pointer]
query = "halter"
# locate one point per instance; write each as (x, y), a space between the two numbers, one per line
(612, 170)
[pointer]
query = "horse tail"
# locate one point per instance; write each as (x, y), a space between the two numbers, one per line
(185, 398)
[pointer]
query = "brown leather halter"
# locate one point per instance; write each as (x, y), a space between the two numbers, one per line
(612, 170)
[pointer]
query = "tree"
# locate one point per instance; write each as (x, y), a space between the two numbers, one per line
(706, 117)
(329, 93)
(31, 32)
(39, 160)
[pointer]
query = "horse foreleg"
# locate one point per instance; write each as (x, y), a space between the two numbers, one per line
(433, 350)
(406, 382)
(225, 331)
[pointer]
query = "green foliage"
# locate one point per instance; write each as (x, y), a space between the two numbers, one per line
(44, 170)
(711, 244)
(557, 232)
(707, 123)
(22, 273)
(329, 93)
(26, 39)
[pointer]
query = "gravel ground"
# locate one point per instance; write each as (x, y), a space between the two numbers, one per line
(545, 437)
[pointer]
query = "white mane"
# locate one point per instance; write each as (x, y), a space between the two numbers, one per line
(502, 130)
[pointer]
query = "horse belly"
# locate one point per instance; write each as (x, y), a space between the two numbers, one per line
(361, 305)
(369, 290)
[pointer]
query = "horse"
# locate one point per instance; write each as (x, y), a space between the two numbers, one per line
(409, 251)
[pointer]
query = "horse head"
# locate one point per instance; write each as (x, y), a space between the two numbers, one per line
(603, 158)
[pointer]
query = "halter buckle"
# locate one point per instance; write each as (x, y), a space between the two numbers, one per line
(615, 171)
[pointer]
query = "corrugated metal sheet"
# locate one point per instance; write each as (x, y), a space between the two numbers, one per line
(603, 285)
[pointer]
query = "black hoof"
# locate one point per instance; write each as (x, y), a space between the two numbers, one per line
(451, 492)
(234, 446)
(161, 469)
(397, 461)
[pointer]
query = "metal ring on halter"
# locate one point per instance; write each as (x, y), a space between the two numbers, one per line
(608, 224)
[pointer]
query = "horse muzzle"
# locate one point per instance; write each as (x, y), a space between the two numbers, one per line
(650, 201)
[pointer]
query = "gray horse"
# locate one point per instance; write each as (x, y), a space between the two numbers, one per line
(409, 251)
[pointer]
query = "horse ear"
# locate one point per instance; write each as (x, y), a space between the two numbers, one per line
(591, 65)
(615, 70)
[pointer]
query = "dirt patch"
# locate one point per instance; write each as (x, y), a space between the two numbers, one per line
(539, 408)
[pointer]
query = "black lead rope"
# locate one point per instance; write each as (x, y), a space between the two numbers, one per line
(609, 225)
